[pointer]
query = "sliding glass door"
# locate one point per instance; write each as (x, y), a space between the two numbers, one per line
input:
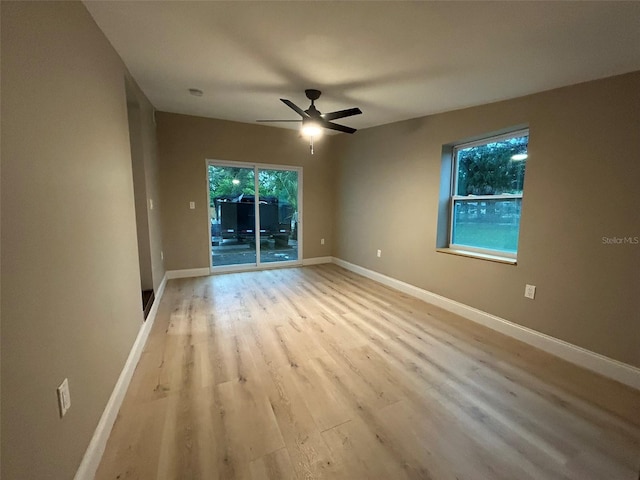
(232, 215)
(278, 215)
(246, 233)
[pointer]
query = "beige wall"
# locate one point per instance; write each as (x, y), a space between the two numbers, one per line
(581, 184)
(71, 303)
(184, 144)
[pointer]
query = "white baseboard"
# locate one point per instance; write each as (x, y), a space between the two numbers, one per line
(93, 454)
(317, 260)
(252, 267)
(188, 273)
(614, 369)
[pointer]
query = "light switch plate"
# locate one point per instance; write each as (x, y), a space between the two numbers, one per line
(64, 397)
(530, 291)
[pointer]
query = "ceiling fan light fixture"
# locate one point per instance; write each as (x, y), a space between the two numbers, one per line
(311, 129)
(315, 122)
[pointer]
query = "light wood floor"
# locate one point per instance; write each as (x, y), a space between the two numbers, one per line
(316, 372)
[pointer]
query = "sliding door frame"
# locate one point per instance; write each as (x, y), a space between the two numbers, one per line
(258, 265)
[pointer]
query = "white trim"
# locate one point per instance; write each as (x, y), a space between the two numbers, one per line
(521, 132)
(239, 267)
(300, 221)
(482, 252)
(93, 454)
(187, 273)
(614, 369)
(251, 267)
(478, 255)
(317, 260)
(484, 198)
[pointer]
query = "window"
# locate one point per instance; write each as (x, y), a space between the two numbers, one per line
(486, 196)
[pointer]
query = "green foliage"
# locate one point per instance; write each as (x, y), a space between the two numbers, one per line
(489, 170)
(282, 184)
(221, 182)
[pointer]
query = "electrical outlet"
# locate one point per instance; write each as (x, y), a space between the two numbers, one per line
(379, 254)
(322, 241)
(530, 291)
(192, 205)
(64, 397)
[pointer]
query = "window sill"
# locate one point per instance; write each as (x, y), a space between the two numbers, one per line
(480, 256)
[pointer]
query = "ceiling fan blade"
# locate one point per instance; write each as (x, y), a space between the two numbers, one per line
(295, 108)
(339, 128)
(341, 113)
(279, 121)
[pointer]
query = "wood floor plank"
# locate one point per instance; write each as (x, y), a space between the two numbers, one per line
(318, 373)
(307, 451)
(362, 453)
(325, 402)
(250, 421)
(273, 466)
(134, 449)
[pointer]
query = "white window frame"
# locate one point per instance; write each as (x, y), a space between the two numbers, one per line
(453, 197)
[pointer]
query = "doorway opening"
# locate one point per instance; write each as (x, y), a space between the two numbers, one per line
(140, 197)
(254, 214)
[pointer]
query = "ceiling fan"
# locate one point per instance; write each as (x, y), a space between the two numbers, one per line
(313, 120)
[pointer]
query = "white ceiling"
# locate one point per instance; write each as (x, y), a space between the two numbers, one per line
(394, 60)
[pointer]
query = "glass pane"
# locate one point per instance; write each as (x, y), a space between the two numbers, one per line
(489, 224)
(232, 215)
(493, 168)
(278, 190)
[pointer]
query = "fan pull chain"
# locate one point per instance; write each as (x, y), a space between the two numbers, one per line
(311, 144)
